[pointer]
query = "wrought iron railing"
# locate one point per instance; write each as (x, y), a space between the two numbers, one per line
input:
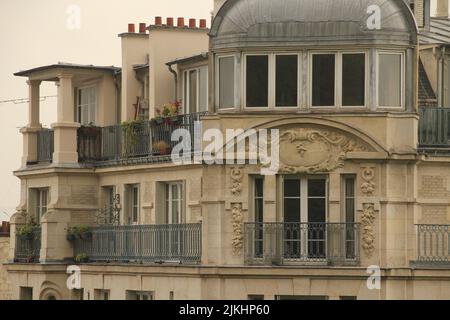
(45, 145)
(28, 247)
(433, 244)
(281, 243)
(434, 127)
(142, 244)
(89, 142)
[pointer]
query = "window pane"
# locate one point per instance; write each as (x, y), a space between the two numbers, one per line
(353, 79)
(257, 81)
(389, 82)
(291, 200)
(323, 80)
(287, 81)
(259, 200)
(316, 200)
(193, 91)
(203, 89)
(226, 82)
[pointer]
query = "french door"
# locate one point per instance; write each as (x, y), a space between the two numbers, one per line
(174, 218)
(305, 200)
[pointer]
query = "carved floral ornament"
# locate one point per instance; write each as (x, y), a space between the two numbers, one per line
(368, 186)
(236, 181)
(368, 232)
(307, 150)
(238, 236)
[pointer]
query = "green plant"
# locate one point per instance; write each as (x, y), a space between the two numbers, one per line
(81, 257)
(78, 232)
(25, 230)
(171, 109)
(130, 131)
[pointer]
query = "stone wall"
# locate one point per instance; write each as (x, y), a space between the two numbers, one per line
(5, 285)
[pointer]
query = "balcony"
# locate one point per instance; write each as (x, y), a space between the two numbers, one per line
(28, 246)
(142, 244)
(301, 243)
(433, 246)
(120, 145)
(434, 130)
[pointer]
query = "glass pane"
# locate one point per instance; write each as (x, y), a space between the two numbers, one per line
(389, 82)
(316, 200)
(292, 188)
(203, 89)
(259, 187)
(349, 187)
(323, 80)
(226, 82)
(287, 81)
(353, 79)
(193, 91)
(316, 188)
(291, 200)
(257, 81)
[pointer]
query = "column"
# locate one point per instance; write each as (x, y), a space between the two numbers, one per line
(65, 128)
(33, 126)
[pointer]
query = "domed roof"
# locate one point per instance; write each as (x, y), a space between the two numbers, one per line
(246, 23)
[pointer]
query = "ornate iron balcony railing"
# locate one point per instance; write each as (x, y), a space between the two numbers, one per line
(28, 247)
(433, 245)
(434, 127)
(283, 243)
(181, 243)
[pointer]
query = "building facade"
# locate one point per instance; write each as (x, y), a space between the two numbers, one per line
(356, 91)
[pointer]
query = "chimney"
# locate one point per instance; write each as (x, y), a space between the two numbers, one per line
(170, 22)
(203, 23)
(158, 21)
(180, 23)
(192, 23)
(142, 28)
(442, 9)
(131, 28)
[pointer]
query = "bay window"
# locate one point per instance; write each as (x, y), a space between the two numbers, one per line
(86, 106)
(390, 79)
(226, 82)
(196, 90)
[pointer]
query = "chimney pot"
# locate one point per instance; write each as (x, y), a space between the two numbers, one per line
(142, 28)
(170, 22)
(131, 28)
(180, 22)
(158, 21)
(203, 23)
(192, 23)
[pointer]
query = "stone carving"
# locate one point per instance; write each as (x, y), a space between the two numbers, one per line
(236, 181)
(307, 150)
(238, 237)
(368, 232)
(368, 186)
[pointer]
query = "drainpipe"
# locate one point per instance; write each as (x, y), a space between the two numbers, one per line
(175, 75)
(441, 76)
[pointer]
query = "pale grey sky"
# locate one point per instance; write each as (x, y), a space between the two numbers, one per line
(34, 33)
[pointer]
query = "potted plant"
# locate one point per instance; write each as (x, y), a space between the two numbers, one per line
(162, 147)
(25, 231)
(79, 232)
(81, 258)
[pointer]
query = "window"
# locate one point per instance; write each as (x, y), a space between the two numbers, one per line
(139, 295)
(258, 204)
(257, 81)
(226, 82)
(390, 78)
(174, 203)
(305, 212)
(255, 297)
(40, 202)
(323, 80)
(133, 204)
(349, 216)
(348, 298)
(353, 79)
(77, 294)
(100, 294)
(86, 106)
(196, 90)
(286, 85)
(26, 293)
(109, 215)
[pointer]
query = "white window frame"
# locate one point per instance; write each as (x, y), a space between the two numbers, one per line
(271, 97)
(187, 91)
(132, 188)
(402, 79)
(41, 209)
(217, 83)
(79, 106)
(169, 200)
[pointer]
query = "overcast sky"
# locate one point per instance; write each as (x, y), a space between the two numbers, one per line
(35, 33)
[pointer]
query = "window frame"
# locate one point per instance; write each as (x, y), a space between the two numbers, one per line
(186, 88)
(402, 80)
(271, 96)
(169, 200)
(217, 82)
(130, 189)
(366, 79)
(311, 55)
(78, 105)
